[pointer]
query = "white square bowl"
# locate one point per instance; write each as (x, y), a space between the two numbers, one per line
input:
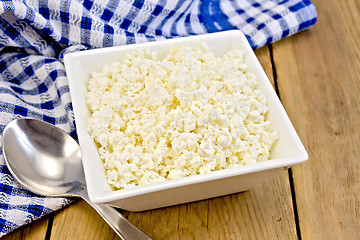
(287, 151)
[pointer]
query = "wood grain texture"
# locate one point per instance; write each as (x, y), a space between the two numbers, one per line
(261, 213)
(318, 77)
(34, 231)
(79, 221)
(264, 212)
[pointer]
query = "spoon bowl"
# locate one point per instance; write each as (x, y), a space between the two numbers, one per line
(43, 158)
(47, 161)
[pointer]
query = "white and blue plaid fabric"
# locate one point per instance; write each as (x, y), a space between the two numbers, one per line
(35, 35)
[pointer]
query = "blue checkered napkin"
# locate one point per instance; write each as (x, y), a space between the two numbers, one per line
(36, 87)
(35, 35)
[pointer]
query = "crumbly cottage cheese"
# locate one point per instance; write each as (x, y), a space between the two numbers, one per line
(186, 114)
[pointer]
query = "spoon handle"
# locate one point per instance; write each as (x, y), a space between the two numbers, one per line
(125, 229)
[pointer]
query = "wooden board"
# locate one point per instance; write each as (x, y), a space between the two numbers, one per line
(318, 77)
(79, 221)
(33, 231)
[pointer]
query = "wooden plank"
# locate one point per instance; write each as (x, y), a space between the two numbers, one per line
(158, 224)
(318, 77)
(264, 212)
(37, 230)
(79, 221)
(34, 231)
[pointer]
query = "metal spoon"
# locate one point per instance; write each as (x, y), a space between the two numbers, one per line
(47, 161)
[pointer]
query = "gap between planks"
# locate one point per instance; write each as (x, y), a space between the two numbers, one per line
(49, 227)
(291, 180)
